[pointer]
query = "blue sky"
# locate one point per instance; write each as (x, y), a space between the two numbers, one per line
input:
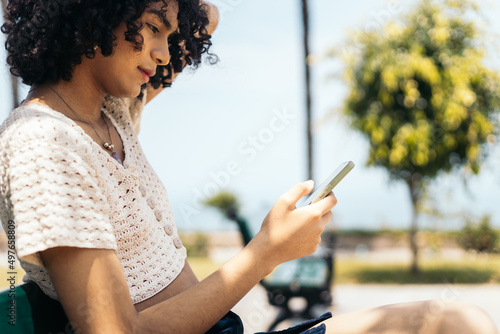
(239, 125)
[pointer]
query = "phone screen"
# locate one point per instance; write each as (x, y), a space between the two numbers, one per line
(327, 186)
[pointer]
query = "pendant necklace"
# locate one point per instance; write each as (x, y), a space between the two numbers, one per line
(108, 146)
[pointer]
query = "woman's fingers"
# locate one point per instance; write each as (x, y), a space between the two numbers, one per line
(326, 204)
(292, 232)
(299, 190)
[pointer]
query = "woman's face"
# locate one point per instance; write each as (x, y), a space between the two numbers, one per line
(123, 73)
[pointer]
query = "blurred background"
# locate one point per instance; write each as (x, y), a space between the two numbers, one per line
(224, 113)
(239, 126)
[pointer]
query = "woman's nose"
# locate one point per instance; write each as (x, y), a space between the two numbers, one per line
(161, 54)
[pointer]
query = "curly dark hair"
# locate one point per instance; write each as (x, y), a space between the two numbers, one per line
(46, 39)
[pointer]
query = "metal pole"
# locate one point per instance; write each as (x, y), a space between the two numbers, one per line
(14, 81)
(305, 24)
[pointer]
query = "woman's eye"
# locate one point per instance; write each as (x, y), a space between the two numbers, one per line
(153, 28)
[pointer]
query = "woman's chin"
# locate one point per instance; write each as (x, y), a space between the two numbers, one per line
(130, 92)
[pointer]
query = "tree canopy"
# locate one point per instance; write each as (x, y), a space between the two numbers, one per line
(420, 92)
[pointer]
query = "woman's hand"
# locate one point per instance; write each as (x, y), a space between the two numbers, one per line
(288, 232)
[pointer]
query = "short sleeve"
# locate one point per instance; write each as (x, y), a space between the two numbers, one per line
(55, 195)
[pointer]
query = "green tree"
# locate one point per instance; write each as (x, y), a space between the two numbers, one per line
(197, 246)
(479, 237)
(227, 204)
(421, 94)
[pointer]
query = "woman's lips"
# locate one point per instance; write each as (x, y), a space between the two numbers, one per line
(145, 75)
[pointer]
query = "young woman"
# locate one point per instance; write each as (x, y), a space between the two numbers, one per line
(94, 228)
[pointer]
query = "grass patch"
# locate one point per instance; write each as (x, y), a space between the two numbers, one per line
(4, 284)
(202, 266)
(474, 270)
(479, 270)
(470, 271)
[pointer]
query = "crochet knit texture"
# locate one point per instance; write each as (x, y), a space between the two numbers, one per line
(61, 188)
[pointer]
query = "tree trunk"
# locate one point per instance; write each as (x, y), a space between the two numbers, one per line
(14, 81)
(305, 25)
(415, 191)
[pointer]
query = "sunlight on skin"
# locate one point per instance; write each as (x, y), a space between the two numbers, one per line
(430, 317)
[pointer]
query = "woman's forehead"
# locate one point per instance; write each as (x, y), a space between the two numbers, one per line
(166, 10)
(166, 6)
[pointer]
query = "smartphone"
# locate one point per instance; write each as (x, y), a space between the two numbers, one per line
(327, 186)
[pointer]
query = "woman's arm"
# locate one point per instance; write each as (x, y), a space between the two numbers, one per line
(93, 290)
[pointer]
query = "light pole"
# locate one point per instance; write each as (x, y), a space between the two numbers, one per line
(14, 81)
(305, 25)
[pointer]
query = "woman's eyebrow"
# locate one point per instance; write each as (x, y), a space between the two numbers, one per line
(161, 16)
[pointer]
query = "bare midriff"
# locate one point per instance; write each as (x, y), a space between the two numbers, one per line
(182, 282)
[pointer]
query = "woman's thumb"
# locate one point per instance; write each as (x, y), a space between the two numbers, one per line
(298, 191)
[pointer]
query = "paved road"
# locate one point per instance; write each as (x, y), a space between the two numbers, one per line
(257, 314)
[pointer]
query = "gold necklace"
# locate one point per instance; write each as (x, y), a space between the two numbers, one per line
(108, 146)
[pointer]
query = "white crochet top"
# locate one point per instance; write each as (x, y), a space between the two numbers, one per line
(60, 188)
